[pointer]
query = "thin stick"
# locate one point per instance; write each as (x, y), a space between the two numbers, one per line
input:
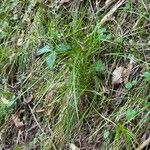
(143, 144)
(35, 119)
(108, 16)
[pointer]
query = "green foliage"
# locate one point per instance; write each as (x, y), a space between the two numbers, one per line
(17, 148)
(53, 31)
(52, 53)
(99, 66)
(50, 60)
(7, 102)
(146, 76)
(130, 114)
(106, 134)
(63, 48)
(85, 54)
(122, 132)
(103, 34)
(44, 50)
(129, 85)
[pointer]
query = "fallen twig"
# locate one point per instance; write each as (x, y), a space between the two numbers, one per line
(108, 16)
(143, 144)
(35, 119)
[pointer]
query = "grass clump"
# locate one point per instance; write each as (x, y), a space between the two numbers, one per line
(57, 61)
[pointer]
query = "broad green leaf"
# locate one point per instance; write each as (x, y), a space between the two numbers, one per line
(130, 114)
(51, 60)
(146, 76)
(63, 47)
(44, 50)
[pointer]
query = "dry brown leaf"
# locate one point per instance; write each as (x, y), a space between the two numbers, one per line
(17, 121)
(126, 72)
(108, 16)
(121, 74)
(117, 75)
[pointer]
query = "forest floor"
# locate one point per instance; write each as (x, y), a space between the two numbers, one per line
(75, 74)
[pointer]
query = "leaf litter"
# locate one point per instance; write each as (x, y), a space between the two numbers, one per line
(121, 74)
(18, 123)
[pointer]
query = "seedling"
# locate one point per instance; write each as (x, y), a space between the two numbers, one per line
(52, 53)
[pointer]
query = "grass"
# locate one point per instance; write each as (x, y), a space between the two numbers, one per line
(66, 95)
